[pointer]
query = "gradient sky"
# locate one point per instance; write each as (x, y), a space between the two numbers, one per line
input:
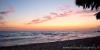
(45, 15)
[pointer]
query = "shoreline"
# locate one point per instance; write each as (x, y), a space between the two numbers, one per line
(59, 45)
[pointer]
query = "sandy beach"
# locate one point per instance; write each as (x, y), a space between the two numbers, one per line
(92, 43)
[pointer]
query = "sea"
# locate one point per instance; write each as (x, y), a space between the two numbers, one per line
(12, 38)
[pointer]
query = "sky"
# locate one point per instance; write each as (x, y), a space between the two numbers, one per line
(17, 15)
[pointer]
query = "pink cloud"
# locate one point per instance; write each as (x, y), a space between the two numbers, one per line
(48, 17)
(5, 13)
(62, 13)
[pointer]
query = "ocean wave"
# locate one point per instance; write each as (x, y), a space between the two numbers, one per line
(19, 38)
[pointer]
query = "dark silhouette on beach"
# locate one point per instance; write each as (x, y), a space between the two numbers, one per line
(92, 4)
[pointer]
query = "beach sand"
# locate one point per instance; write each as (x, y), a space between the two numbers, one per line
(92, 43)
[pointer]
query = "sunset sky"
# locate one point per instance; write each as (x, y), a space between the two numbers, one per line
(45, 15)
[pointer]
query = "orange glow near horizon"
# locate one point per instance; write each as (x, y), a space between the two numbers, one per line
(45, 15)
(62, 23)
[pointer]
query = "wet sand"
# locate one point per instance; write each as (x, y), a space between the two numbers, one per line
(78, 44)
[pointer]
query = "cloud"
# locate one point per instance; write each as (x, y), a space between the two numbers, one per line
(63, 13)
(5, 13)
(51, 16)
(7, 27)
